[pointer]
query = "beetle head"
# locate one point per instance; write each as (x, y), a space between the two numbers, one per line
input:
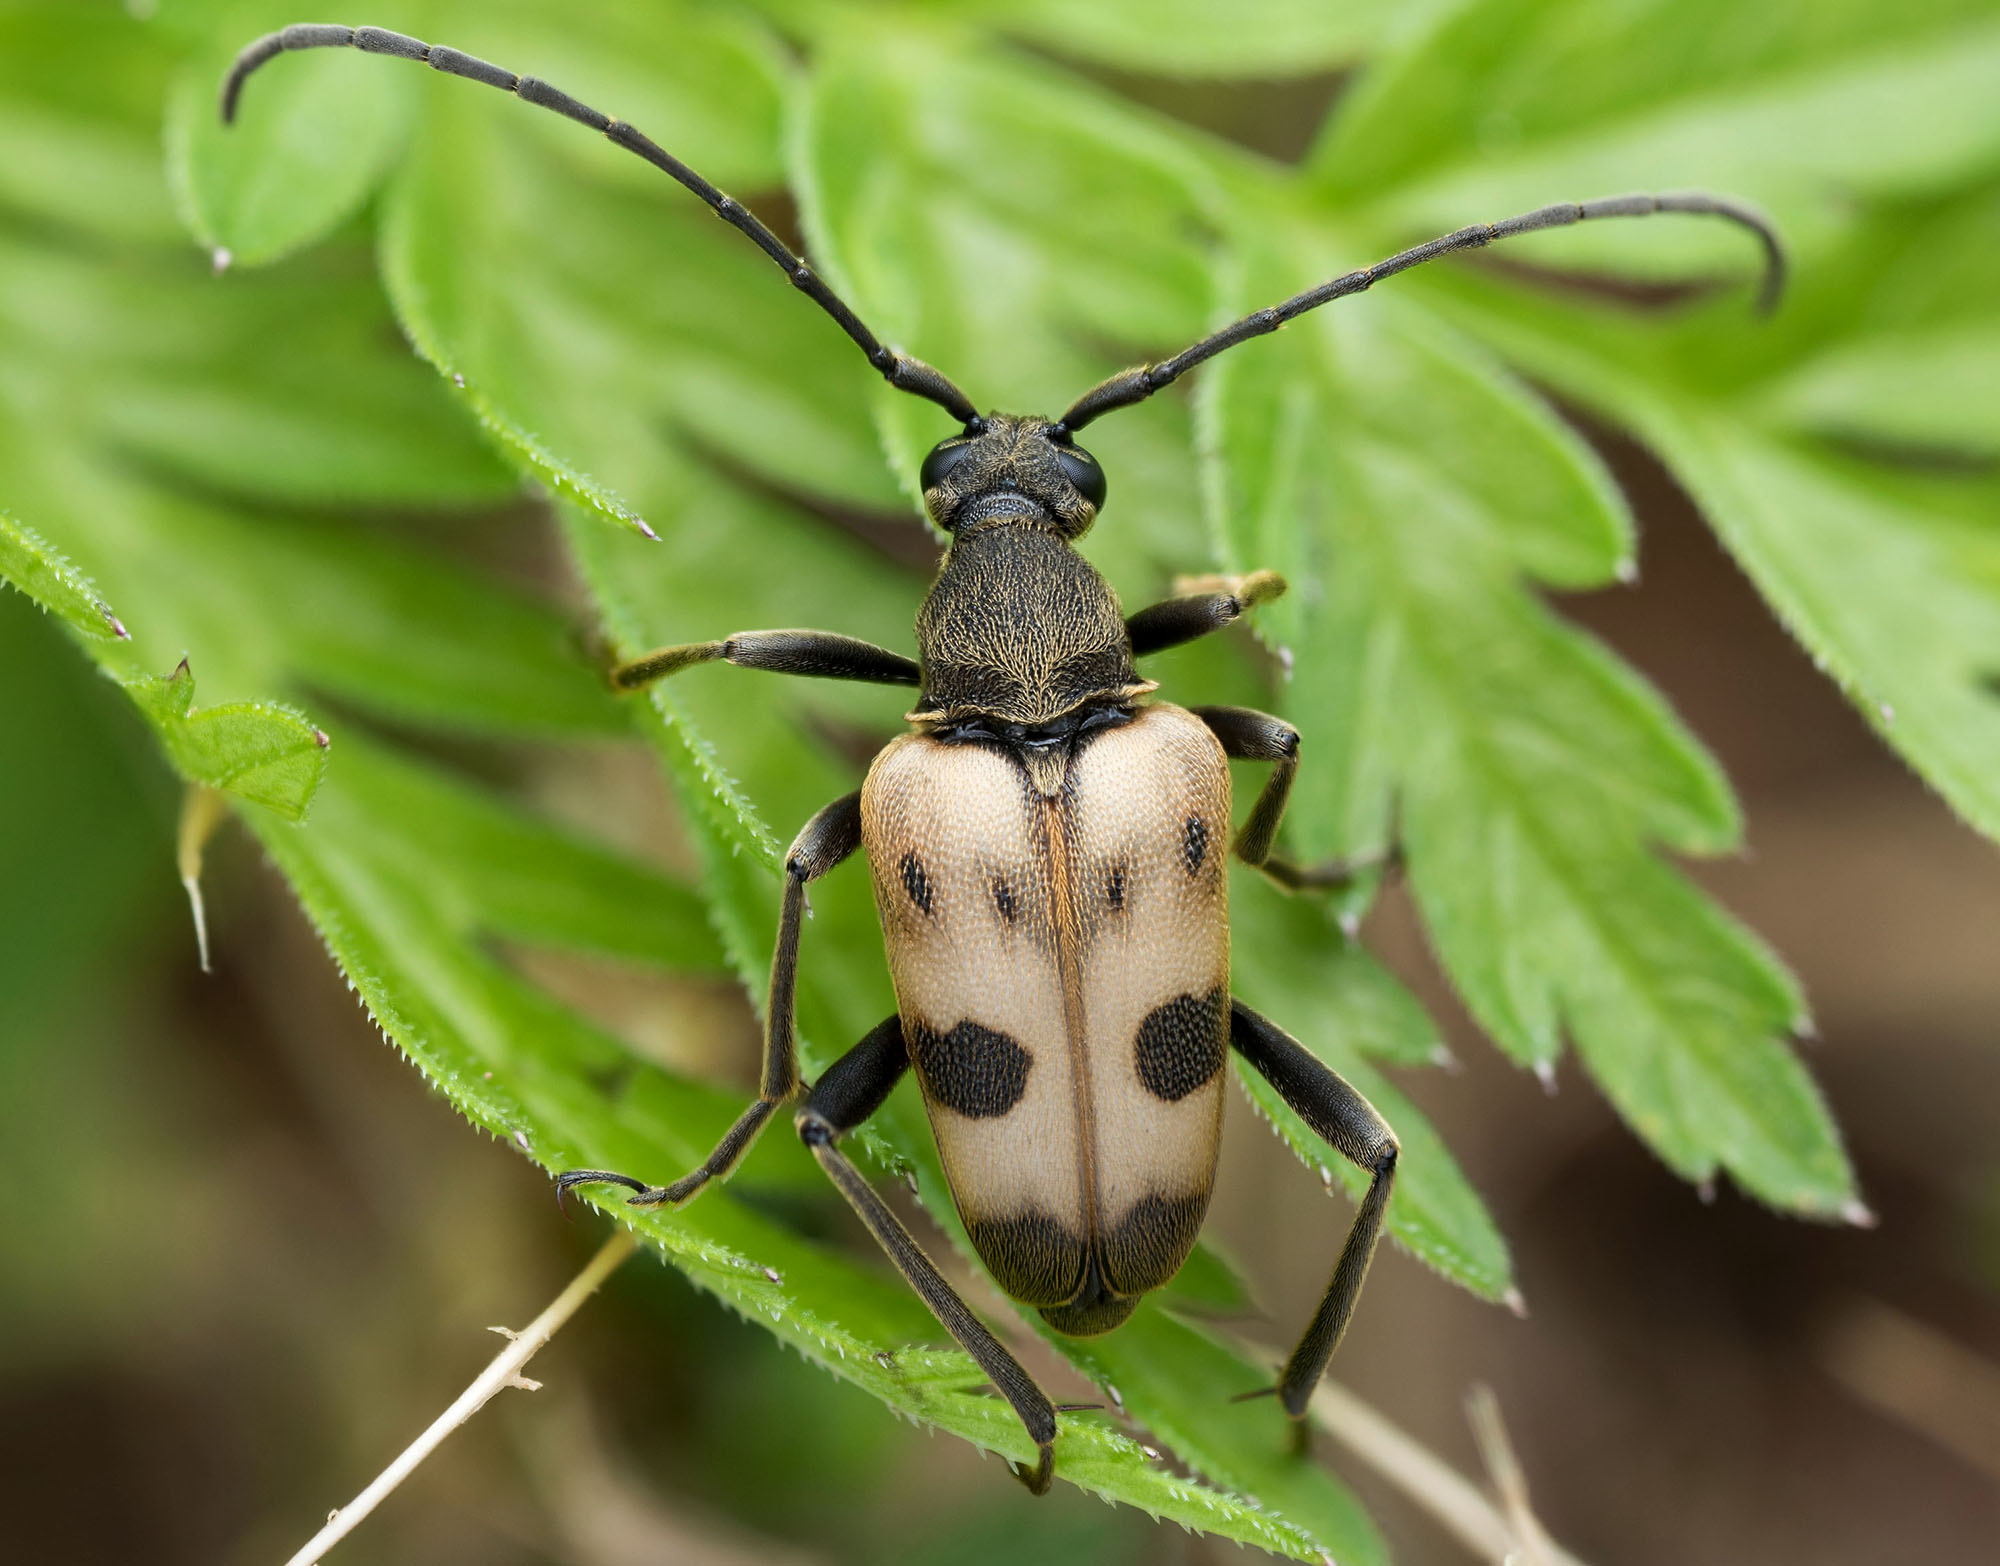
(1008, 466)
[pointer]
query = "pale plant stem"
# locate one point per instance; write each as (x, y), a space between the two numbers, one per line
(505, 1371)
(1458, 1504)
(1482, 1409)
(203, 809)
(1908, 1370)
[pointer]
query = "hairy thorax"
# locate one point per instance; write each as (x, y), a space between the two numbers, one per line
(1019, 628)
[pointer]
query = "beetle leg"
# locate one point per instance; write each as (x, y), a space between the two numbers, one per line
(824, 655)
(852, 1090)
(827, 839)
(1176, 620)
(1248, 735)
(1330, 874)
(1350, 1124)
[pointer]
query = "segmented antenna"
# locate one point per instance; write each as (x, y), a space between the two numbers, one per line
(1139, 383)
(899, 369)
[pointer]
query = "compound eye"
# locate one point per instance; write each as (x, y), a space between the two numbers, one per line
(945, 455)
(1081, 469)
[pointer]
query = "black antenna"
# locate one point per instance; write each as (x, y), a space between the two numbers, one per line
(899, 369)
(1139, 383)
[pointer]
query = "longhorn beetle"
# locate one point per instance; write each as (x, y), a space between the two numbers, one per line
(1047, 847)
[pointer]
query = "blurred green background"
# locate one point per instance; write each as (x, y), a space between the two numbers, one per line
(250, 1254)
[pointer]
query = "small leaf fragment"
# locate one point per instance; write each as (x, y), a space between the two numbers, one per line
(36, 567)
(261, 751)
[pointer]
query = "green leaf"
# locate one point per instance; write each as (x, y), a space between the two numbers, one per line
(705, 83)
(80, 90)
(1533, 775)
(1886, 575)
(260, 751)
(509, 874)
(988, 214)
(288, 387)
(1897, 596)
(311, 604)
(1937, 390)
(125, 376)
(1504, 105)
(565, 347)
(32, 565)
(314, 135)
(83, 1061)
(1182, 1384)
(1264, 38)
(1293, 965)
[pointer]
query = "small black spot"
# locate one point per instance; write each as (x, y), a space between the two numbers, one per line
(1181, 1045)
(916, 883)
(1114, 888)
(1194, 843)
(1004, 900)
(978, 1072)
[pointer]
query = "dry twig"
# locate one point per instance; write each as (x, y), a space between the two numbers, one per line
(1911, 1372)
(505, 1371)
(1427, 1479)
(1482, 1411)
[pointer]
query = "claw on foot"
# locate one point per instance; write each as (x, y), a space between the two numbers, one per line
(647, 1195)
(1038, 1478)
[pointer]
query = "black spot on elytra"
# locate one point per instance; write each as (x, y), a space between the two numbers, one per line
(1194, 843)
(1180, 1046)
(979, 1072)
(1037, 1259)
(1147, 1248)
(916, 883)
(1005, 901)
(1114, 888)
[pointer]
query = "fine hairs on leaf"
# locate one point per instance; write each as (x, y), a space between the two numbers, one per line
(211, 482)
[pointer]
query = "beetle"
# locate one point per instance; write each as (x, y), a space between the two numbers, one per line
(1047, 844)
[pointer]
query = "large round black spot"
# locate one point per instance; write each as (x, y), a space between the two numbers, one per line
(976, 1071)
(1181, 1044)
